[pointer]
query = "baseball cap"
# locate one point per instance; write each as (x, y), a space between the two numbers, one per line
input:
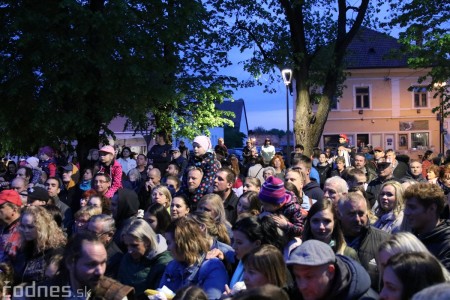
(378, 149)
(312, 253)
(67, 168)
(174, 149)
(344, 136)
(107, 149)
(38, 193)
(10, 196)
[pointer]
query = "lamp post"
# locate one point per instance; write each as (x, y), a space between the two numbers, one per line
(287, 78)
(439, 86)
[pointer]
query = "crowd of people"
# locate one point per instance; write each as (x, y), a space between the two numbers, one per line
(343, 223)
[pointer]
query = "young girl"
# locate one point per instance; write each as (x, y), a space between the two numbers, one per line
(108, 164)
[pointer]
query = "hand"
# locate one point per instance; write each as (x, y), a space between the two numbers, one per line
(281, 222)
(215, 253)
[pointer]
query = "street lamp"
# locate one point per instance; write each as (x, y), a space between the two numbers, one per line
(439, 86)
(287, 78)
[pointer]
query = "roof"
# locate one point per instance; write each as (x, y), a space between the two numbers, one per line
(373, 49)
(238, 108)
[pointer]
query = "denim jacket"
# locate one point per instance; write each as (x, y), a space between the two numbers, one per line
(210, 275)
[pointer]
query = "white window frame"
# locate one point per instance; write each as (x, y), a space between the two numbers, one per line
(369, 87)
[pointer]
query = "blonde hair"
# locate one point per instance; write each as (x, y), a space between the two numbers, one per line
(218, 213)
(399, 201)
(88, 211)
(141, 230)
(49, 235)
(189, 241)
(269, 261)
(165, 191)
(217, 231)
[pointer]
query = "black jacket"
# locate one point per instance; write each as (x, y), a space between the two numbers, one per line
(438, 242)
(367, 249)
(313, 191)
(324, 173)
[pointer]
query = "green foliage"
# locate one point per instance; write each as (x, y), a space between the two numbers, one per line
(426, 39)
(69, 67)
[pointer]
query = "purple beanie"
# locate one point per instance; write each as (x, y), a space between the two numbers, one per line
(273, 191)
(47, 150)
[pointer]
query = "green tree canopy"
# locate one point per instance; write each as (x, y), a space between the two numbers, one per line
(69, 67)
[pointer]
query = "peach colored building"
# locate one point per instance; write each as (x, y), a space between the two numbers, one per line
(383, 104)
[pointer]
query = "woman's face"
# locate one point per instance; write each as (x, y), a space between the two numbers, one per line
(159, 197)
(243, 205)
(207, 207)
(322, 225)
(392, 286)
(136, 248)
(322, 158)
(431, 175)
(87, 175)
(267, 174)
(172, 247)
(178, 208)
(277, 163)
(386, 198)
(83, 202)
(95, 201)
(248, 186)
(94, 155)
(151, 220)
(446, 180)
(126, 153)
(242, 245)
(340, 165)
(254, 278)
(132, 176)
(28, 228)
(383, 257)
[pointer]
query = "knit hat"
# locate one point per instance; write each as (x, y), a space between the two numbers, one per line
(33, 161)
(203, 141)
(10, 196)
(273, 191)
(47, 150)
(312, 253)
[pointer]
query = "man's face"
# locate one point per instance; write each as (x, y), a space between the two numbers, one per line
(360, 162)
(220, 182)
(21, 173)
(390, 156)
(97, 229)
(101, 184)
(172, 170)
(141, 160)
(331, 192)
(378, 154)
(295, 178)
(419, 217)
(66, 176)
(384, 170)
(194, 179)
(302, 168)
(18, 185)
(313, 282)
(342, 140)
(416, 168)
(87, 271)
(298, 150)
(359, 180)
(52, 186)
(353, 217)
(7, 214)
(175, 154)
(154, 177)
(365, 150)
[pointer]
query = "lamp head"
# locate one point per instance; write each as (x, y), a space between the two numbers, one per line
(287, 76)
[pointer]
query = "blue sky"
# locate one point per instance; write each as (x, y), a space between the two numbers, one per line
(263, 109)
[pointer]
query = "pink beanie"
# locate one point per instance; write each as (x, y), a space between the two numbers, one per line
(203, 141)
(273, 191)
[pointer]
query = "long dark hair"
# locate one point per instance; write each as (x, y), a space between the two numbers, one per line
(337, 236)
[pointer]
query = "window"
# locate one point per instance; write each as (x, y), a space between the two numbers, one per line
(419, 140)
(334, 102)
(420, 96)
(362, 97)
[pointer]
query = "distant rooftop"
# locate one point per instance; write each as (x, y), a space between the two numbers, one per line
(373, 49)
(235, 106)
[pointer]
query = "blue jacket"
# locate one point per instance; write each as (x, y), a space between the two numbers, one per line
(211, 276)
